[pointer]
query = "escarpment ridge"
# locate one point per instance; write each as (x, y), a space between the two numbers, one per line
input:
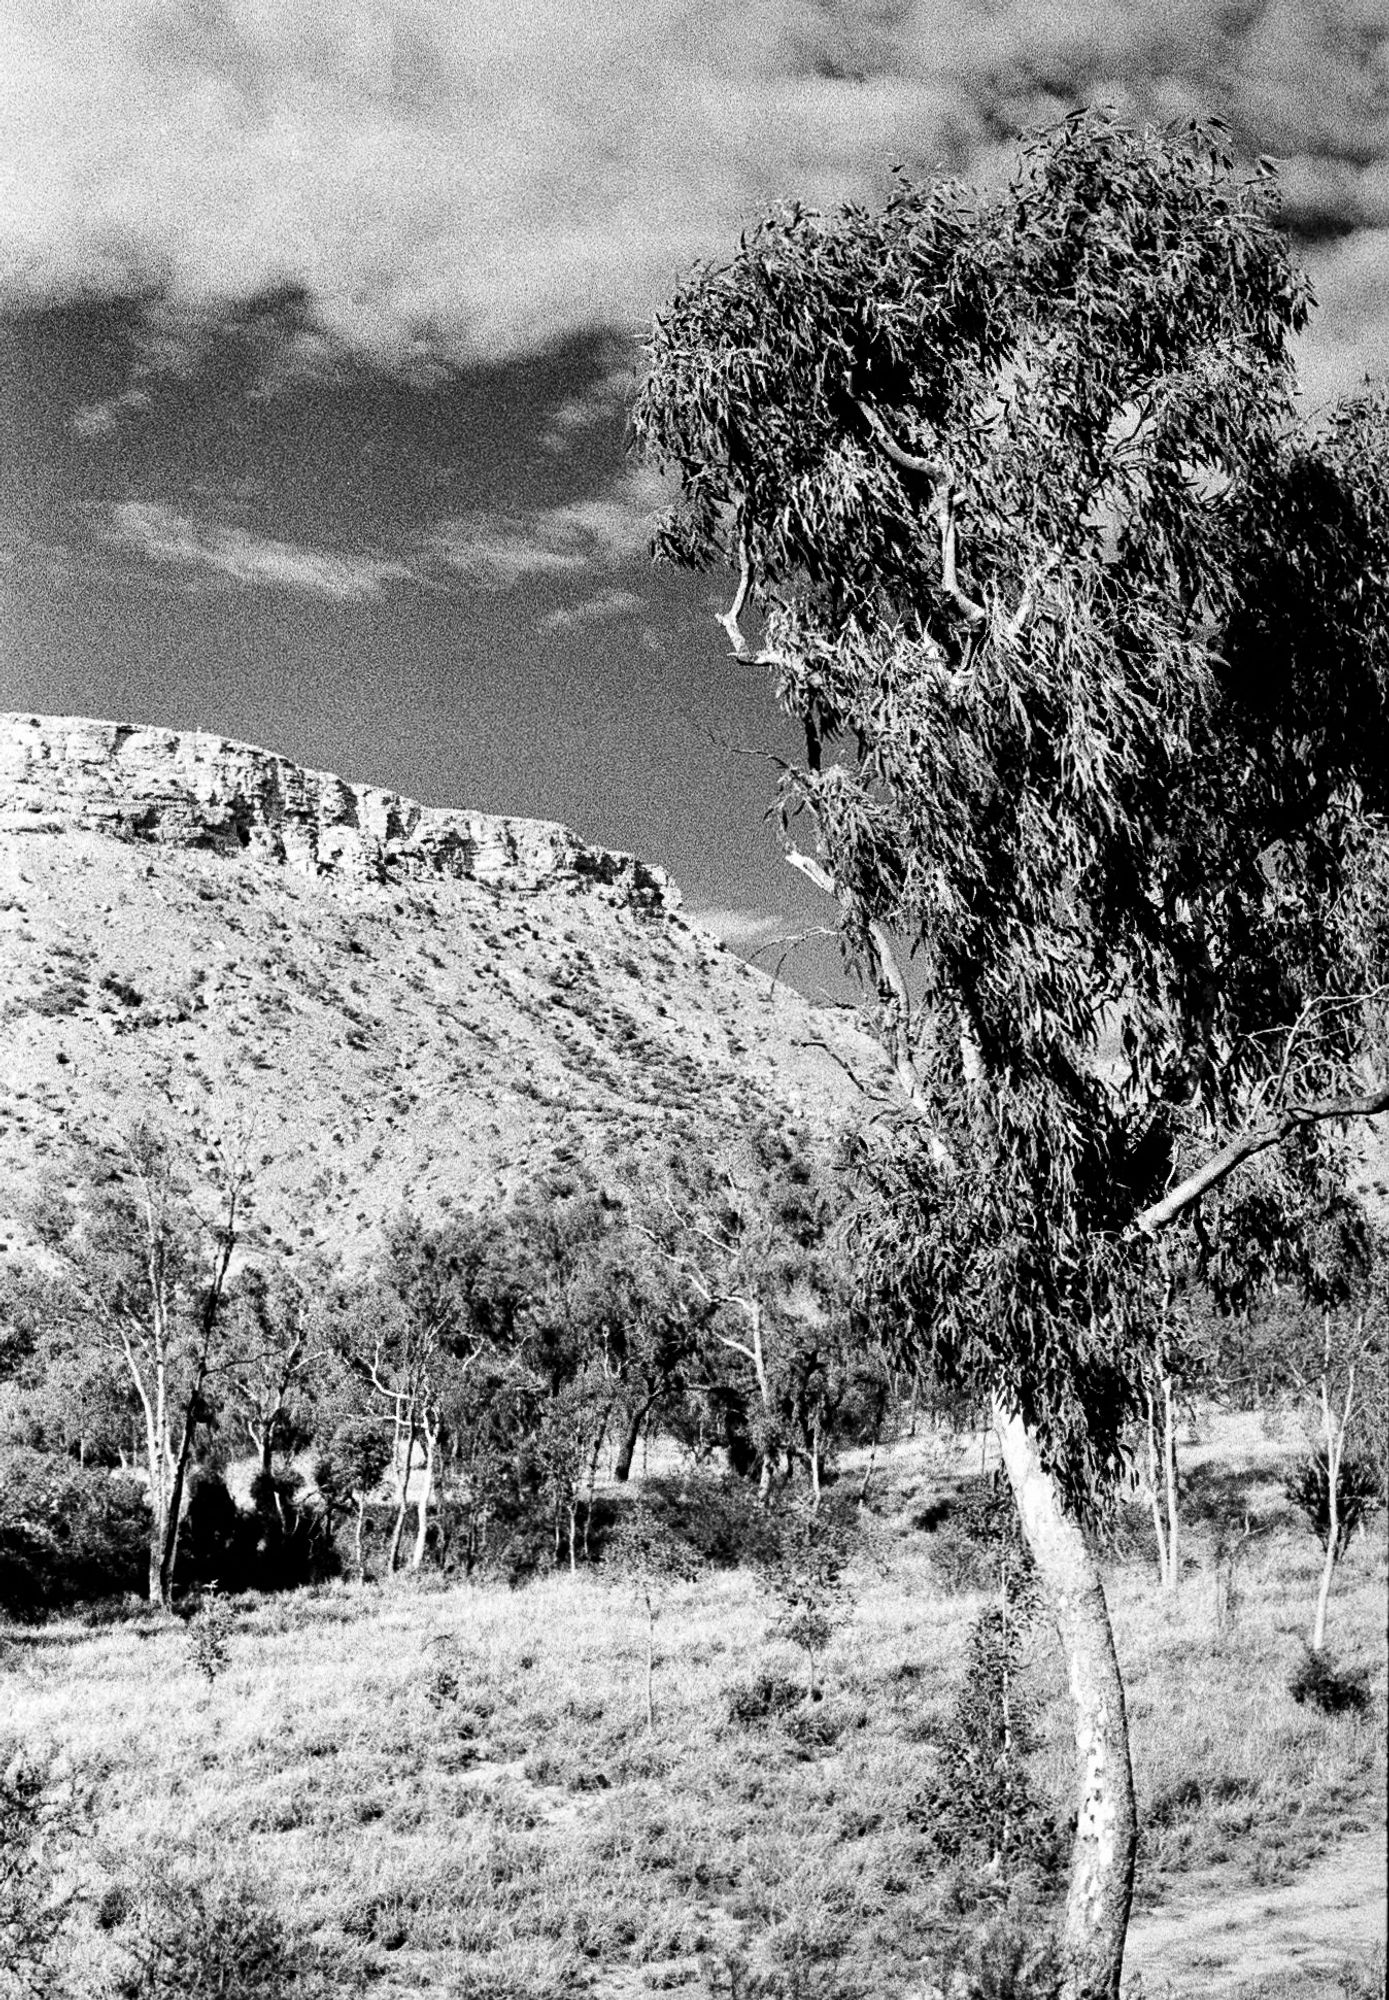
(196, 790)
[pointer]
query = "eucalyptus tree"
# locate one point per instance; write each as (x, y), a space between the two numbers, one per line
(1088, 645)
(137, 1269)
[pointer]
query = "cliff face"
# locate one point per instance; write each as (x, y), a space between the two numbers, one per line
(193, 790)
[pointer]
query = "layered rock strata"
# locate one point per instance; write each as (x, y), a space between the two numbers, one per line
(192, 789)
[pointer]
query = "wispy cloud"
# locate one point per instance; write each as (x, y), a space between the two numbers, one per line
(163, 535)
(579, 415)
(740, 928)
(496, 551)
(474, 181)
(99, 420)
(608, 604)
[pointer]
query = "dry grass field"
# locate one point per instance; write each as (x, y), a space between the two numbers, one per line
(451, 1790)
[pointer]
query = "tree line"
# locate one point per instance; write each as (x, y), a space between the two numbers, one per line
(480, 1369)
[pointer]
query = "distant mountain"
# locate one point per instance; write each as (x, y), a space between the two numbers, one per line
(396, 1003)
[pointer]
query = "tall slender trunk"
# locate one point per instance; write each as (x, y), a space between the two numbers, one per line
(1334, 1433)
(357, 1549)
(1169, 1470)
(1155, 1492)
(591, 1477)
(422, 1503)
(1106, 1836)
(403, 1497)
(174, 1517)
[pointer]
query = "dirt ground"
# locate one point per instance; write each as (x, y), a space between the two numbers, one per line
(1210, 1940)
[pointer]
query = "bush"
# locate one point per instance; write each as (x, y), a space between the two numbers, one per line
(1011, 1957)
(37, 1816)
(192, 1938)
(1334, 1690)
(67, 1533)
(760, 1700)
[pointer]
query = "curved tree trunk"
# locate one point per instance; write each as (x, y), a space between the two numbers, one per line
(1106, 1837)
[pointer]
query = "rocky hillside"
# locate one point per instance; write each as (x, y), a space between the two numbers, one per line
(394, 1003)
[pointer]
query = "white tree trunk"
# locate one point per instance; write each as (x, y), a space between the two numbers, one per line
(426, 1493)
(1106, 1837)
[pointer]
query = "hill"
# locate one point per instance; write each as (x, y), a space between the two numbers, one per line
(393, 1002)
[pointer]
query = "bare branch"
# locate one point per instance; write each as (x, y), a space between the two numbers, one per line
(931, 468)
(864, 1089)
(973, 613)
(729, 619)
(1224, 1163)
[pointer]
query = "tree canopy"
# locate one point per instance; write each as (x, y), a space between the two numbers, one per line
(1090, 643)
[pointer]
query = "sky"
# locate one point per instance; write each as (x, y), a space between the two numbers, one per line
(319, 320)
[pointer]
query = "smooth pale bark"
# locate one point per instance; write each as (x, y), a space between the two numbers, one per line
(1106, 1836)
(1154, 1485)
(1334, 1433)
(1169, 1468)
(403, 1497)
(426, 1494)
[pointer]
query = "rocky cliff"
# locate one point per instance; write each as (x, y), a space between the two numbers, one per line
(390, 1005)
(193, 790)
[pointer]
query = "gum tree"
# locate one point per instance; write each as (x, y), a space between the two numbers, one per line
(1088, 645)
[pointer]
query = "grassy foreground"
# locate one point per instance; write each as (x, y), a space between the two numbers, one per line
(453, 1791)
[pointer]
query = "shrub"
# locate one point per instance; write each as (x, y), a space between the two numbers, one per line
(1011, 1957)
(1334, 1690)
(67, 1533)
(760, 1700)
(37, 1817)
(190, 1938)
(209, 1636)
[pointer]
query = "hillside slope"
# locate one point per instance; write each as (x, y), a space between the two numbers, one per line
(395, 1003)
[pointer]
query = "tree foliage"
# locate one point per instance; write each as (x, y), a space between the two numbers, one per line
(1090, 644)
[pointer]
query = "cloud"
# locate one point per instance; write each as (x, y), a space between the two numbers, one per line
(599, 405)
(591, 611)
(99, 420)
(475, 182)
(498, 551)
(741, 929)
(163, 535)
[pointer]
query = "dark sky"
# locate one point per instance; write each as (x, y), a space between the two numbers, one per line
(318, 319)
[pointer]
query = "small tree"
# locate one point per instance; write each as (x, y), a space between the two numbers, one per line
(355, 1463)
(653, 1559)
(802, 1553)
(1335, 1486)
